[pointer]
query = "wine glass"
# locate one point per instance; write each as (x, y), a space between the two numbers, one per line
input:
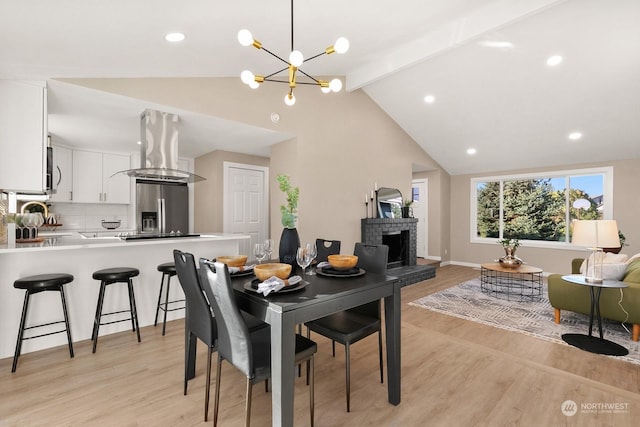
(312, 251)
(27, 224)
(268, 248)
(303, 260)
(37, 222)
(259, 252)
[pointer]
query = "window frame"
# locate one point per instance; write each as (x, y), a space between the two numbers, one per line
(607, 200)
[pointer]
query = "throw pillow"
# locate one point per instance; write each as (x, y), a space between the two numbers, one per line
(633, 258)
(614, 266)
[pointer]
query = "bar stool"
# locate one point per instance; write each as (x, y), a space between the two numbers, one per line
(168, 270)
(34, 285)
(109, 276)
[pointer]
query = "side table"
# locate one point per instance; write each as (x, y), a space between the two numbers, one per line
(589, 342)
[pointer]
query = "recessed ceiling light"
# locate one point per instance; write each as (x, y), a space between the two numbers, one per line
(429, 99)
(554, 60)
(497, 44)
(574, 136)
(471, 151)
(174, 37)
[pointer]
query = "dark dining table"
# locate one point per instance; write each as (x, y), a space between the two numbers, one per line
(320, 296)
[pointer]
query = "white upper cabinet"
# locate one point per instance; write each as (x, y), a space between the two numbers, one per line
(117, 189)
(92, 181)
(62, 174)
(23, 131)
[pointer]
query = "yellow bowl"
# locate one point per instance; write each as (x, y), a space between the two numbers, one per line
(233, 260)
(265, 271)
(342, 261)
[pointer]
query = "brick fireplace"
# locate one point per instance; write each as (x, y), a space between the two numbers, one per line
(400, 234)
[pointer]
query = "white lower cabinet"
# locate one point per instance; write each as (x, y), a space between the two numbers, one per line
(93, 181)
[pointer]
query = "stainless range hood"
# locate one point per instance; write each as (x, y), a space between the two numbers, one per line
(159, 149)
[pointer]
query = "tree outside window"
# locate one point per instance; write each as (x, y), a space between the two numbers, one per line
(537, 208)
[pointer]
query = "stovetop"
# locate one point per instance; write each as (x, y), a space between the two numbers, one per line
(156, 236)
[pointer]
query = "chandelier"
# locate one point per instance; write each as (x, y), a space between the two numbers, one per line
(296, 59)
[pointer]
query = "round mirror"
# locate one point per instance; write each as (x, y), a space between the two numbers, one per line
(389, 202)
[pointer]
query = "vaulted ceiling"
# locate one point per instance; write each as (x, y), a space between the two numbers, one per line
(482, 61)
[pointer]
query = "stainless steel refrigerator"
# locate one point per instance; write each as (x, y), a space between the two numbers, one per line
(162, 207)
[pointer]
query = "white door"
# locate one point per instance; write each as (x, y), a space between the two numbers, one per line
(246, 203)
(420, 203)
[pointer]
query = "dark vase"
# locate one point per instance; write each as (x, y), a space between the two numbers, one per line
(289, 244)
(407, 212)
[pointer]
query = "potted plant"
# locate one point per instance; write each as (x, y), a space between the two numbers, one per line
(407, 212)
(289, 240)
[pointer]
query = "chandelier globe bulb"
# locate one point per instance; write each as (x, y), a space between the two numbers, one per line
(341, 45)
(335, 85)
(247, 77)
(289, 99)
(245, 38)
(296, 58)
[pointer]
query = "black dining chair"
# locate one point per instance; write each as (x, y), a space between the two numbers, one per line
(326, 248)
(350, 326)
(200, 322)
(249, 352)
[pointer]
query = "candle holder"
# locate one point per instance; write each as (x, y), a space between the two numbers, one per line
(373, 209)
(366, 210)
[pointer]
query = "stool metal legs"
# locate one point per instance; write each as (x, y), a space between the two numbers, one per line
(132, 311)
(25, 307)
(164, 305)
(23, 318)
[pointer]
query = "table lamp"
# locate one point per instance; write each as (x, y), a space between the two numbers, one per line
(595, 235)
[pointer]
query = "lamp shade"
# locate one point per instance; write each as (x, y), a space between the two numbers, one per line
(596, 234)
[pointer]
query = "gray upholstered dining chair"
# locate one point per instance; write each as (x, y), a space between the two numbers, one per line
(200, 322)
(326, 248)
(350, 326)
(248, 352)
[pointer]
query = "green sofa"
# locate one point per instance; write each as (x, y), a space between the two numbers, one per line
(568, 296)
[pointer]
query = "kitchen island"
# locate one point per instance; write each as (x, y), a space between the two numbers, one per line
(81, 257)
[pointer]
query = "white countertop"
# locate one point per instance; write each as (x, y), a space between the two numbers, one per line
(74, 240)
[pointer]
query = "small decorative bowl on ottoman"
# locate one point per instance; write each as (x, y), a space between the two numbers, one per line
(233, 260)
(342, 262)
(265, 271)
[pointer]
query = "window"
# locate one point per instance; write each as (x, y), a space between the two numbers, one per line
(537, 208)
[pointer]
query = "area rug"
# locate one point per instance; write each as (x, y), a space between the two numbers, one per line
(468, 302)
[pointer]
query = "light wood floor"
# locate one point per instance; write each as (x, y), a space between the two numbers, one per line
(454, 373)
